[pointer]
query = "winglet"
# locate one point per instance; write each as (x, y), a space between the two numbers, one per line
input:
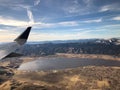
(23, 37)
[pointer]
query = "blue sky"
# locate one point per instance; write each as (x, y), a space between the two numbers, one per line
(60, 19)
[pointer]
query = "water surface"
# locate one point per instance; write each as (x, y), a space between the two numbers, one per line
(55, 63)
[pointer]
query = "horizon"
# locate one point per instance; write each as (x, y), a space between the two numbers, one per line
(66, 40)
(60, 19)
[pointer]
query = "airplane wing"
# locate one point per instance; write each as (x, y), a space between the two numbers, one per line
(8, 48)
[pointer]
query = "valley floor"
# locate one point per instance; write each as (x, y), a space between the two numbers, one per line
(82, 78)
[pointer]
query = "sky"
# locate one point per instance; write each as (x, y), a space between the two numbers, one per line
(59, 19)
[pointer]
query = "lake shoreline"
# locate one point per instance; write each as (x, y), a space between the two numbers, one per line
(89, 56)
(82, 56)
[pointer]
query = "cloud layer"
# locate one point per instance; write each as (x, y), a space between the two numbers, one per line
(60, 19)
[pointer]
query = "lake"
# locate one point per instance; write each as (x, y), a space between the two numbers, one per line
(57, 63)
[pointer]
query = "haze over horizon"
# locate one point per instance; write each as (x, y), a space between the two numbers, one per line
(59, 19)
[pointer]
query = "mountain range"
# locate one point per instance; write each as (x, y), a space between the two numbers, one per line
(84, 46)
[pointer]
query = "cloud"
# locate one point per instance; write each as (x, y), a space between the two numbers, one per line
(89, 3)
(9, 2)
(16, 23)
(105, 8)
(57, 24)
(51, 36)
(7, 35)
(29, 13)
(79, 7)
(116, 18)
(36, 2)
(84, 7)
(110, 7)
(30, 16)
(12, 22)
(43, 25)
(113, 27)
(69, 23)
(94, 21)
(81, 34)
(72, 7)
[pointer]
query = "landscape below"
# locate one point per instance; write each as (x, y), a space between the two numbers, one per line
(89, 46)
(80, 78)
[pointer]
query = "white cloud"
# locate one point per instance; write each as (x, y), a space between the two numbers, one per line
(82, 7)
(84, 34)
(7, 35)
(89, 3)
(94, 21)
(30, 16)
(105, 8)
(36, 2)
(43, 25)
(116, 18)
(72, 9)
(69, 23)
(81, 33)
(29, 13)
(53, 36)
(111, 27)
(58, 24)
(12, 22)
(9, 2)
(110, 7)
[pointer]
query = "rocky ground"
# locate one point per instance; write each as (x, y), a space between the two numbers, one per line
(82, 78)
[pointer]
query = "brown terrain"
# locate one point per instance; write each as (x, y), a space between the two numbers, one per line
(82, 78)
(91, 56)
